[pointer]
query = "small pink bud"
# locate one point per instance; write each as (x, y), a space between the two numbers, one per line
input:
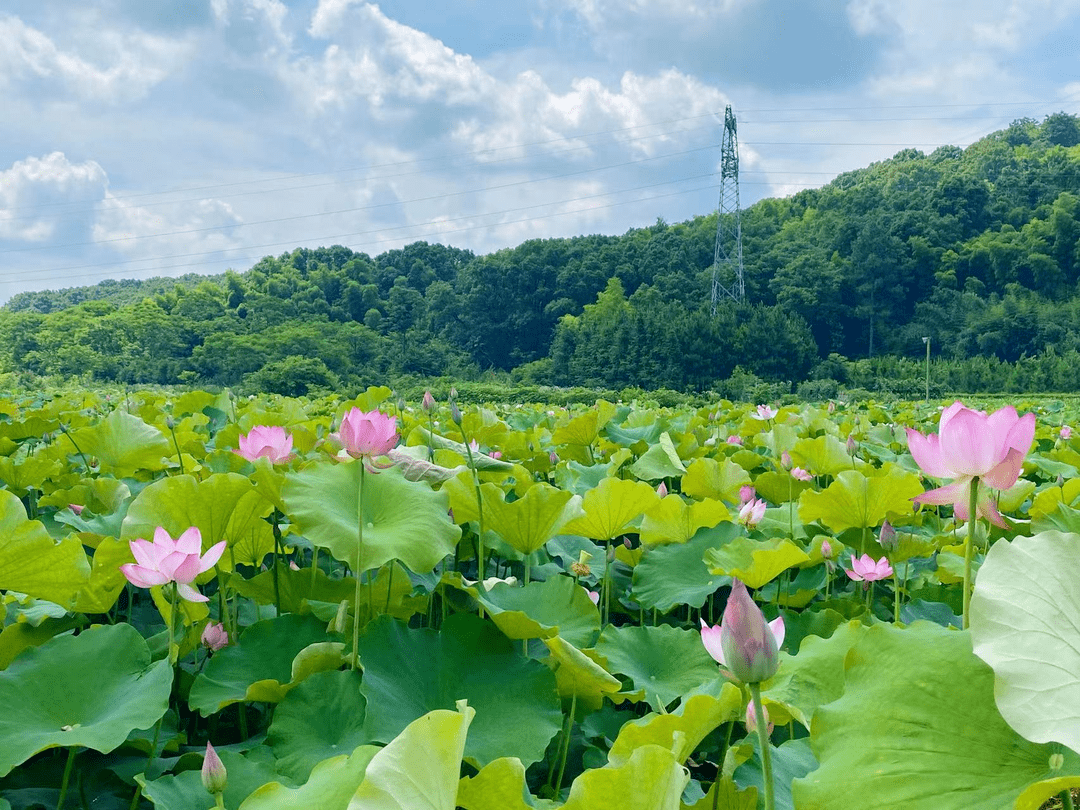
(746, 493)
(662, 490)
(1065, 432)
(852, 447)
(214, 637)
(785, 460)
(214, 777)
(76, 508)
(455, 413)
(751, 646)
(496, 454)
(735, 439)
(553, 457)
(751, 718)
(427, 404)
(594, 596)
(832, 406)
(887, 537)
(293, 566)
(826, 549)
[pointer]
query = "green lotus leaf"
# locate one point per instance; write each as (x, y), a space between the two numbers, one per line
(419, 769)
(815, 676)
(558, 606)
(259, 666)
(659, 461)
(408, 673)
(610, 508)
(319, 719)
(726, 795)
(681, 731)
(482, 461)
(124, 444)
(652, 779)
(585, 428)
(90, 690)
(1025, 623)
(331, 786)
(755, 562)
(106, 579)
(1011, 499)
(1047, 500)
(24, 473)
(779, 487)
(825, 455)
(673, 520)
(19, 636)
(224, 506)
(791, 760)
(403, 520)
(628, 436)
(31, 562)
(709, 478)
(296, 587)
(185, 790)
(1035, 796)
(500, 785)
(663, 661)
(677, 575)
(577, 674)
(856, 501)
(530, 521)
(925, 741)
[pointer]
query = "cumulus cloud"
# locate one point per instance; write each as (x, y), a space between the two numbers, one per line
(32, 193)
(141, 232)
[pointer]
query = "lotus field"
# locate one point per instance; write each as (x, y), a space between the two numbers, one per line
(270, 603)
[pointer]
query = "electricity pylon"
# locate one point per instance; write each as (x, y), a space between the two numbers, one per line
(727, 255)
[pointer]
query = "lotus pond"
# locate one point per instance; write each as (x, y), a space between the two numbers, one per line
(280, 603)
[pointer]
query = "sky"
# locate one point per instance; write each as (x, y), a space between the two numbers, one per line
(144, 138)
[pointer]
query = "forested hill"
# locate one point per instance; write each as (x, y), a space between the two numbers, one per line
(975, 248)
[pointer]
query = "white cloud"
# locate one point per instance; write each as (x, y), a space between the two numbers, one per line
(31, 190)
(142, 233)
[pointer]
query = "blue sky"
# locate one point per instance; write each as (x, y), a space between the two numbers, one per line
(159, 137)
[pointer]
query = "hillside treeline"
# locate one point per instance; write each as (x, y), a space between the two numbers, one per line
(977, 249)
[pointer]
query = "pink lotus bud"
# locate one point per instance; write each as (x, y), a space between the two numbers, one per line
(496, 454)
(427, 404)
(785, 460)
(749, 645)
(594, 596)
(852, 447)
(832, 406)
(293, 566)
(752, 512)
(746, 493)
(662, 490)
(214, 637)
(455, 413)
(826, 549)
(214, 777)
(799, 474)
(553, 457)
(1065, 432)
(887, 537)
(76, 508)
(735, 439)
(751, 718)
(453, 392)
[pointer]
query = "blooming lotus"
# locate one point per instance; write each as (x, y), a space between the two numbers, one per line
(764, 413)
(969, 445)
(1065, 432)
(865, 569)
(799, 474)
(735, 439)
(365, 435)
(266, 441)
(167, 560)
(752, 512)
(743, 643)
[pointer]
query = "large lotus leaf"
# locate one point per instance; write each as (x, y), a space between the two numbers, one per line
(726, 795)
(408, 673)
(18, 636)
(790, 761)
(500, 785)
(319, 719)
(673, 520)
(677, 575)
(403, 520)
(780, 487)
(825, 455)
(543, 609)
(856, 501)
(629, 435)
(461, 493)
(106, 579)
(681, 731)
(709, 478)
(124, 444)
(1025, 623)
(585, 428)
(652, 779)
(224, 506)
(529, 522)
(659, 461)
(930, 739)
(1047, 500)
(419, 769)
(482, 461)
(90, 690)
(610, 508)
(296, 587)
(577, 674)
(31, 562)
(663, 661)
(24, 473)
(185, 790)
(259, 666)
(755, 562)
(331, 786)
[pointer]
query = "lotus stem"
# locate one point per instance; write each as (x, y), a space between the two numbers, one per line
(176, 444)
(480, 566)
(763, 740)
(67, 776)
(276, 517)
(969, 546)
(1066, 799)
(149, 762)
(357, 568)
(566, 744)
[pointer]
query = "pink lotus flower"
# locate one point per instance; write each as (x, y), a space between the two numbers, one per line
(365, 435)
(743, 643)
(496, 454)
(76, 508)
(785, 460)
(735, 439)
(752, 512)
(214, 777)
(1065, 432)
(826, 549)
(751, 718)
(427, 404)
(746, 493)
(764, 413)
(864, 569)
(799, 474)
(167, 560)
(594, 596)
(265, 441)
(214, 637)
(662, 490)
(969, 444)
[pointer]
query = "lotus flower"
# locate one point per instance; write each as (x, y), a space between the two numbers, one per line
(365, 435)
(799, 474)
(214, 777)
(427, 404)
(662, 490)
(752, 512)
(214, 636)
(751, 718)
(743, 643)
(746, 493)
(167, 560)
(1065, 432)
(265, 441)
(764, 413)
(735, 439)
(864, 569)
(887, 537)
(969, 444)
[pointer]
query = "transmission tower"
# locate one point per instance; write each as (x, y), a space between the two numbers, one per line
(727, 255)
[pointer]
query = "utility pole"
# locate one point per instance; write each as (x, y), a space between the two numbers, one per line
(727, 255)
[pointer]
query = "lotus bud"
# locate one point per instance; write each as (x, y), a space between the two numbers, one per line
(852, 447)
(455, 413)
(749, 644)
(785, 460)
(826, 549)
(1066, 432)
(751, 718)
(662, 490)
(453, 392)
(170, 423)
(427, 404)
(214, 636)
(594, 596)
(78, 508)
(747, 493)
(735, 439)
(1060, 480)
(887, 538)
(553, 457)
(214, 777)
(832, 406)
(340, 622)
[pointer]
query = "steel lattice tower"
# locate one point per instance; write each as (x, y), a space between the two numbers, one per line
(727, 255)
